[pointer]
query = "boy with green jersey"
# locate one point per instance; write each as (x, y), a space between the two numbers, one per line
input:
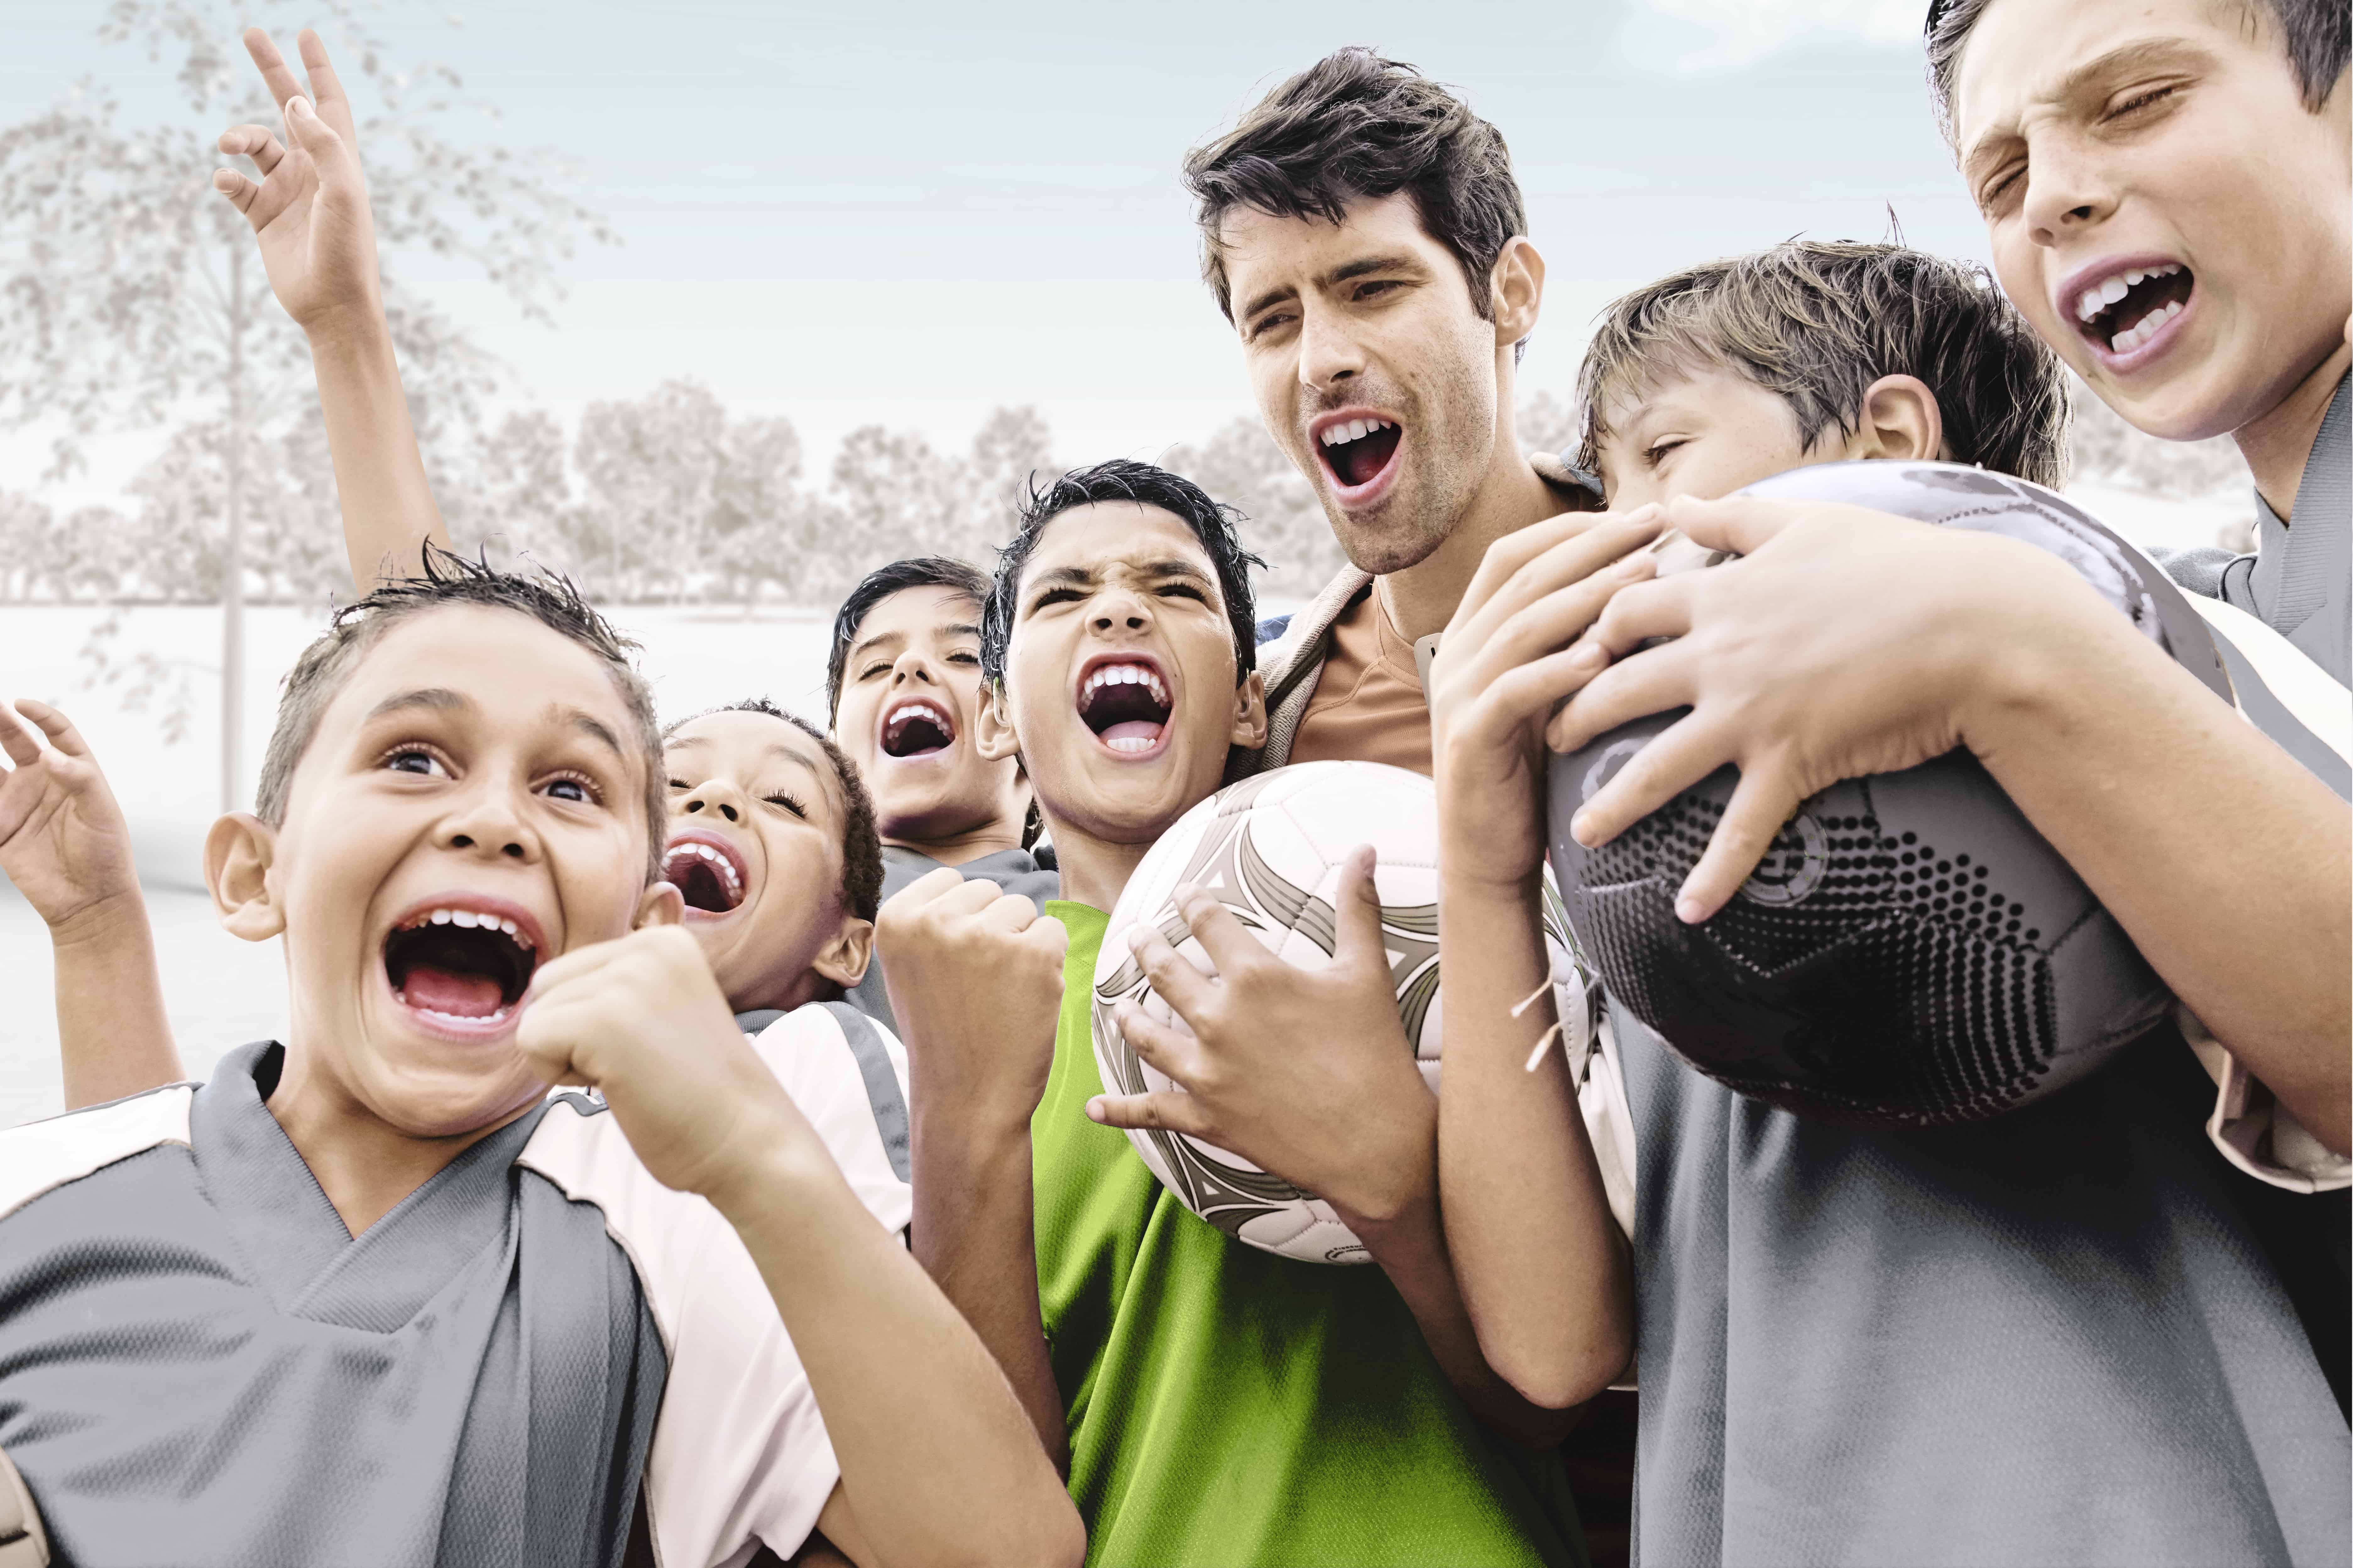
(1217, 1403)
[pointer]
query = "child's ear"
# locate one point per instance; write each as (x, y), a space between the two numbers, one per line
(1518, 283)
(662, 904)
(1249, 713)
(1900, 419)
(238, 853)
(843, 960)
(993, 735)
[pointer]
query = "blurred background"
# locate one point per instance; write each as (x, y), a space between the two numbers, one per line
(718, 306)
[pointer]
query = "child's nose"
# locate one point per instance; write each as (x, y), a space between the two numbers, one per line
(722, 808)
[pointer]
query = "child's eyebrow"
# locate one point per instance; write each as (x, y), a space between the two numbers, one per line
(859, 648)
(439, 699)
(588, 724)
(2124, 59)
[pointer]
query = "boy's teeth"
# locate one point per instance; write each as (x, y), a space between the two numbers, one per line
(1127, 675)
(440, 917)
(469, 919)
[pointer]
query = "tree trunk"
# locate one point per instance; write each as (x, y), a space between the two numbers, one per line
(233, 551)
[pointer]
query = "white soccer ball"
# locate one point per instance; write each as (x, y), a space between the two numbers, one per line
(1270, 848)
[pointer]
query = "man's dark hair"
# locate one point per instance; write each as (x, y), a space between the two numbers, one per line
(1352, 127)
(920, 571)
(1817, 322)
(861, 845)
(553, 600)
(2317, 34)
(1123, 480)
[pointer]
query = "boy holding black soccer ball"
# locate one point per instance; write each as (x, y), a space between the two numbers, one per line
(2075, 1332)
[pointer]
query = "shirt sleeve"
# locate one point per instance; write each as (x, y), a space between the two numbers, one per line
(813, 1057)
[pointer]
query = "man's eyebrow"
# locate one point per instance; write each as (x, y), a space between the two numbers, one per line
(439, 699)
(1403, 261)
(2118, 61)
(1274, 296)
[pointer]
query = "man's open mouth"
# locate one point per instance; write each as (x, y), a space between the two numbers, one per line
(1125, 702)
(461, 965)
(1357, 451)
(917, 727)
(2124, 309)
(708, 872)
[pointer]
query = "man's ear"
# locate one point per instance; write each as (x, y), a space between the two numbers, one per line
(662, 904)
(1518, 290)
(1249, 713)
(238, 853)
(1899, 419)
(844, 959)
(993, 735)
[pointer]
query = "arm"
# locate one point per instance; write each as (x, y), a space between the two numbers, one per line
(1847, 643)
(64, 844)
(310, 222)
(1544, 1269)
(976, 982)
(1309, 1076)
(938, 1464)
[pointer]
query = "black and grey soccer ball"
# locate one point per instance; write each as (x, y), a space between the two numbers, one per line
(1911, 951)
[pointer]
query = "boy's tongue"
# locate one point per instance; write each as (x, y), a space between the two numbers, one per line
(1143, 729)
(453, 992)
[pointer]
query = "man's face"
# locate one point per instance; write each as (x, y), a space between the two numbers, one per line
(2161, 205)
(1373, 370)
(910, 689)
(471, 804)
(1704, 435)
(757, 815)
(1120, 674)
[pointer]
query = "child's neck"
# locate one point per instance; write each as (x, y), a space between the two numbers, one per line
(365, 1167)
(1094, 870)
(2277, 445)
(992, 838)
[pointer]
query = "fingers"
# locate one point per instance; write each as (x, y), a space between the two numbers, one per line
(1759, 808)
(1356, 913)
(1650, 682)
(54, 725)
(1539, 686)
(1510, 554)
(1741, 524)
(275, 74)
(1569, 562)
(239, 190)
(1173, 1054)
(1010, 913)
(326, 87)
(1228, 945)
(253, 141)
(1661, 608)
(1182, 986)
(1677, 758)
(1558, 619)
(1167, 1112)
(329, 150)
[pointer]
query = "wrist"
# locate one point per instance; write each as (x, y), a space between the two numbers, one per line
(115, 919)
(768, 1173)
(1402, 1176)
(2055, 645)
(357, 332)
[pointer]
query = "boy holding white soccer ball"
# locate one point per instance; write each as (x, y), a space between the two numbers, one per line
(1150, 1346)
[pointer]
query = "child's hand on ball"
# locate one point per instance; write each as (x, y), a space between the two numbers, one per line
(1305, 1073)
(976, 982)
(641, 1020)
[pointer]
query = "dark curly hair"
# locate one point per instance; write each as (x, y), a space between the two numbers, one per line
(861, 846)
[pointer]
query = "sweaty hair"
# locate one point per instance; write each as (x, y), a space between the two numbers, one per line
(921, 572)
(450, 579)
(2317, 33)
(1352, 127)
(1124, 480)
(1817, 322)
(861, 846)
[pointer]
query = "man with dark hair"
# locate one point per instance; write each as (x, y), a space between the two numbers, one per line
(1217, 1403)
(903, 685)
(1362, 231)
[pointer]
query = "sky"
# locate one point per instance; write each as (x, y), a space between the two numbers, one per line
(910, 213)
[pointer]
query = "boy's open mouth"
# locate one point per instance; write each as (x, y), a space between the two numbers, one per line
(1357, 449)
(2120, 309)
(1125, 700)
(708, 872)
(917, 727)
(460, 964)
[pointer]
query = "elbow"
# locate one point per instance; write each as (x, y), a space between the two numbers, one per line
(1561, 1378)
(1047, 1534)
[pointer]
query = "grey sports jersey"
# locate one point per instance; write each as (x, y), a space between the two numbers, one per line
(1015, 870)
(2300, 578)
(199, 1364)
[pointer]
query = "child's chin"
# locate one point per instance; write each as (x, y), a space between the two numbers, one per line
(437, 1100)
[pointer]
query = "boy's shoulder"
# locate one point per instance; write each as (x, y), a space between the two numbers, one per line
(39, 1157)
(848, 1074)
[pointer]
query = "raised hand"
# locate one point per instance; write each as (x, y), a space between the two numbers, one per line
(1508, 660)
(63, 840)
(309, 213)
(976, 982)
(1307, 1074)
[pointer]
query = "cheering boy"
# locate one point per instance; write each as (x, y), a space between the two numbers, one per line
(2072, 1333)
(371, 1295)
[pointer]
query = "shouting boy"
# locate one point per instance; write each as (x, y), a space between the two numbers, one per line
(371, 1295)
(2076, 1332)
(1152, 1346)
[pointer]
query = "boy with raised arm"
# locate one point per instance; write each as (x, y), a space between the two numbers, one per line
(2075, 1332)
(1160, 1350)
(371, 1295)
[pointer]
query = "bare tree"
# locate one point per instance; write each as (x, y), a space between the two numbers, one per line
(1241, 466)
(130, 293)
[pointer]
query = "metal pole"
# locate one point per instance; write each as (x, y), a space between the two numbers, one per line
(233, 556)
